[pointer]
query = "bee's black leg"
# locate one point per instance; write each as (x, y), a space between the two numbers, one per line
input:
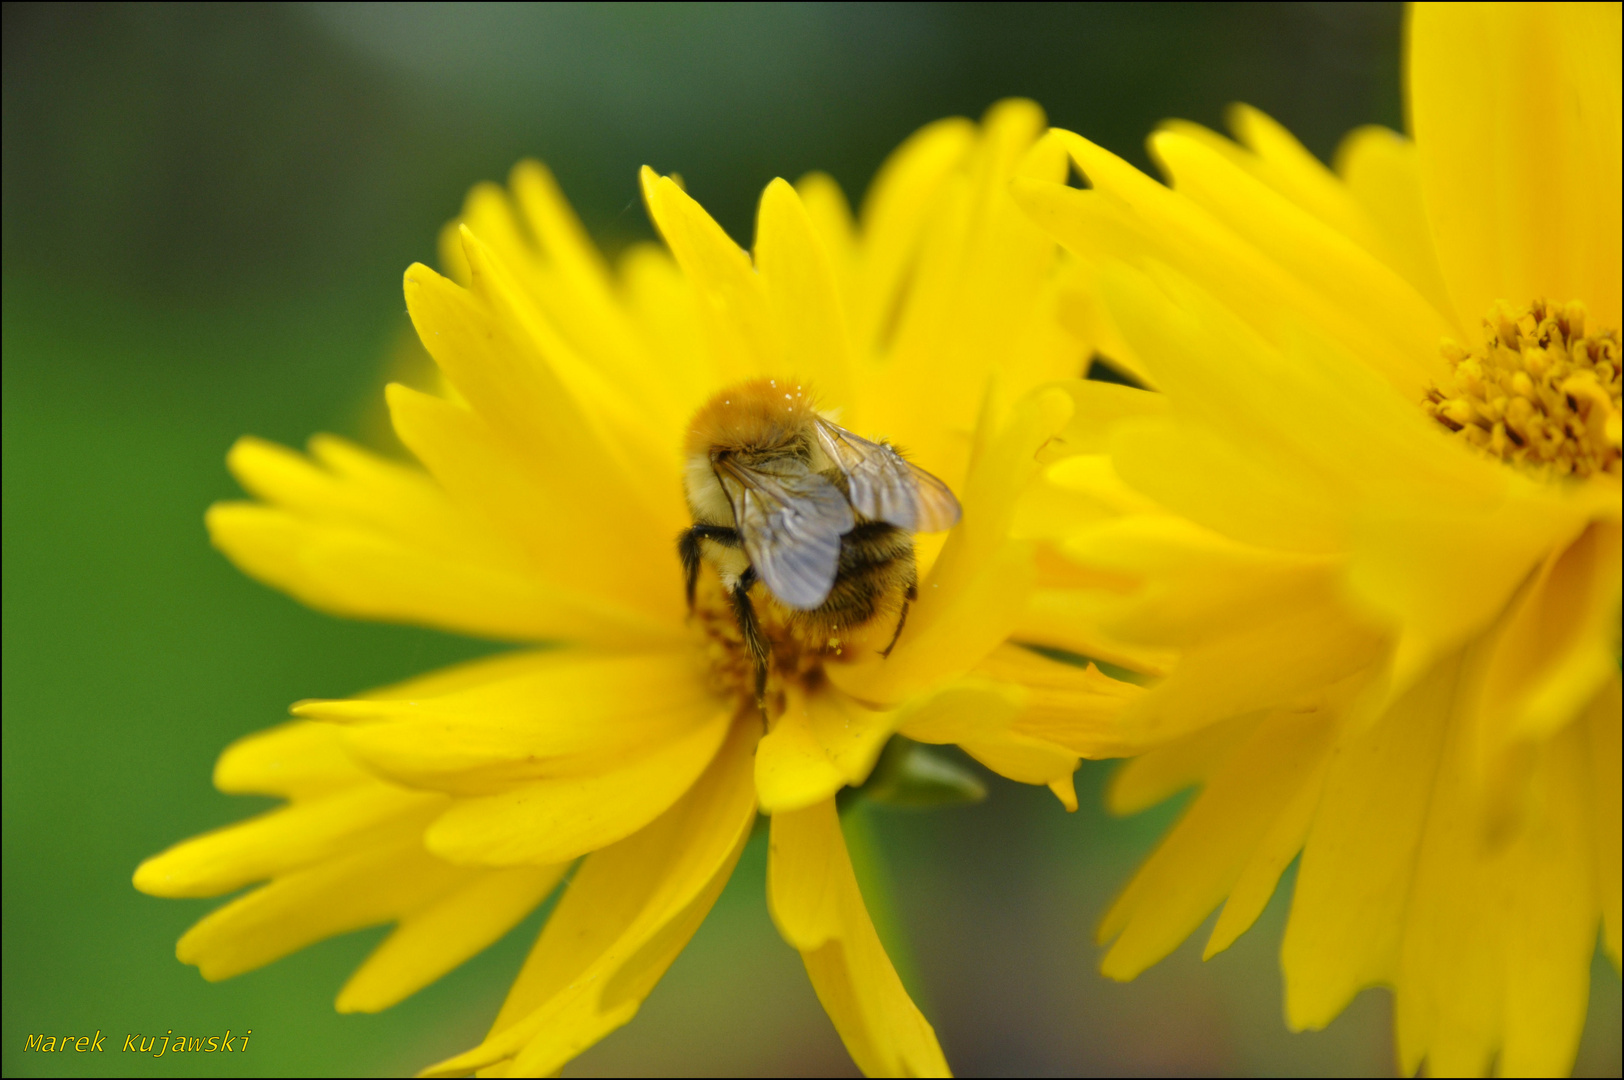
(688, 550)
(745, 612)
(908, 597)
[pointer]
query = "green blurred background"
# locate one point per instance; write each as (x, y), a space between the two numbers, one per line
(207, 210)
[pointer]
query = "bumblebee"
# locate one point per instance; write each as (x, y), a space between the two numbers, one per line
(821, 518)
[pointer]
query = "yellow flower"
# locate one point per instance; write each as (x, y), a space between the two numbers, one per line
(1369, 530)
(547, 510)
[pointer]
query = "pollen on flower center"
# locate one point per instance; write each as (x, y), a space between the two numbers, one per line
(1540, 393)
(731, 669)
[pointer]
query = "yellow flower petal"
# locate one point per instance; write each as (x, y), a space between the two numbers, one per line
(1072, 602)
(1257, 629)
(941, 325)
(973, 595)
(1443, 618)
(572, 281)
(1287, 166)
(1483, 928)
(1353, 884)
(1054, 618)
(820, 743)
(1065, 705)
(361, 574)
(981, 275)
(1097, 408)
(741, 329)
(1232, 489)
(440, 935)
(1602, 723)
(1382, 173)
(1515, 111)
(1498, 931)
(364, 887)
(665, 310)
(614, 427)
(1554, 654)
(798, 279)
(564, 293)
(488, 354)
(1074, 305)
(561, 818)
(1271, 489)
(1256, 884)
(1204, 856)
(300, 909)
(1315, 254)
(814, 899)
(1410, 563)
(358, 505)
(1181, 585)
(1373, 198)
(1006, 259)
(468, 675)
(1277, 445)
(1065, 789)
(565, 712)
(296, 760)
(982, 717)
(1550, 929)
(804, 891)
(792, 770)
(285, 839)
(1026, 759)
(832, 221)
(557, 230)
(624, 917)
(1130, 217)
(488, 213)
(492, 483)
(356, 486)
(1168, 769)
(899, 203)
(346, 854)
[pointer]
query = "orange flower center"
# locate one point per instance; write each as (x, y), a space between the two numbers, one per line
(1541, 392)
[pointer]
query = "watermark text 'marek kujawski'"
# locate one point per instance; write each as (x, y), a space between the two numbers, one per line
(156, 1045)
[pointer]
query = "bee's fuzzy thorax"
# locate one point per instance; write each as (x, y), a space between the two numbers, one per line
(762, 414)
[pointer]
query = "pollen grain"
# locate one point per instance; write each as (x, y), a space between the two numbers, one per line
(1541, 393)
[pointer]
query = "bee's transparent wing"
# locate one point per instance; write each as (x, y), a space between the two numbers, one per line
(791, 520)
(885, 486)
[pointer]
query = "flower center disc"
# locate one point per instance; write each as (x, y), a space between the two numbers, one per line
(1541, 393)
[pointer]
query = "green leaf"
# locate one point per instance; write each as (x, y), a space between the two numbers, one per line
(915, 776)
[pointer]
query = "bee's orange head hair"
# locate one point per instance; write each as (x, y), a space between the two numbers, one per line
(762, 414)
